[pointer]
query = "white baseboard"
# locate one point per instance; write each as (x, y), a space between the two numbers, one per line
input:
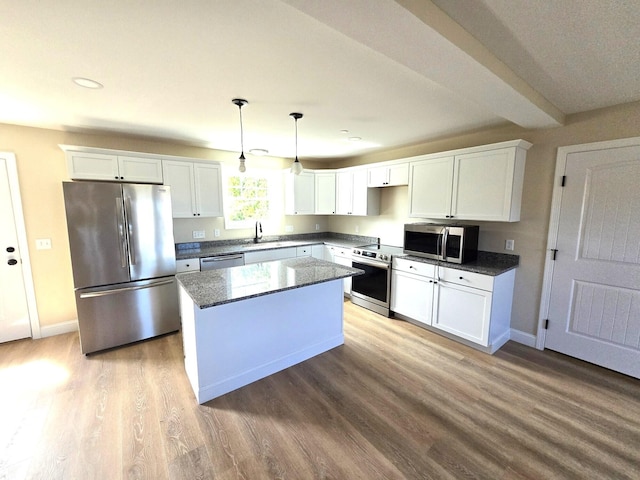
(524, 338)
(59, 328)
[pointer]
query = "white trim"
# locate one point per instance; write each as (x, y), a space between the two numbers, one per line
(59, 328)
(524, 338)
(23, 243)
(554, 220)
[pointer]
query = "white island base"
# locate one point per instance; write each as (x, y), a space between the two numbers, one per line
(230, 345)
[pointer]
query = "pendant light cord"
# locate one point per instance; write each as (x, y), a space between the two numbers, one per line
(241, 133)
(296, 139)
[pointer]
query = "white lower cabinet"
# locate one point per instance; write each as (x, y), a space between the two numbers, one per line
(469, 306)
(258, 256)
(188, 265)
(341, 256)
(412, 290)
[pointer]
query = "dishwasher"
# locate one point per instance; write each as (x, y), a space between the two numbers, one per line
(221, 261)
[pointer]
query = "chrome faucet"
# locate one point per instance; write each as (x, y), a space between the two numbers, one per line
(258, 236)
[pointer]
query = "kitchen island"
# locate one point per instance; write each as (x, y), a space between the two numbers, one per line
(241, 324)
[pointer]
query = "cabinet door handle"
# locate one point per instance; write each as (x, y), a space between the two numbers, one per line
(461, 278)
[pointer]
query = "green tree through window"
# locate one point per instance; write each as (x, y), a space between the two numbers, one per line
(248, 198)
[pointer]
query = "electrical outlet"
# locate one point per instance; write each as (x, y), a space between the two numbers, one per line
(198, 234)
(43, 244)
(216, 232)
(288, 228)
(509, 245)
(357, 228)
(317, 226)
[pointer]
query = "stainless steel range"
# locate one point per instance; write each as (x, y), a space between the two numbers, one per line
(373, 289)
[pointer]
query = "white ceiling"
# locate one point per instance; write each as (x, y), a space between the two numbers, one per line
(391, 72)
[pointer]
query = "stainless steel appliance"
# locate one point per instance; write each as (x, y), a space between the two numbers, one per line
(221, 261)
(123, 259)
(450, 243)
(372, 290)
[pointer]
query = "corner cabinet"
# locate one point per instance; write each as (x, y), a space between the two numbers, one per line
(91, 165)
(353, 196)
(196, 188)
(481, 183)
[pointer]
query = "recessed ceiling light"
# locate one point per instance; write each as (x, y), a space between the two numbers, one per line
(87, 83)
(355, 139)
(258, 152)
(344, 131)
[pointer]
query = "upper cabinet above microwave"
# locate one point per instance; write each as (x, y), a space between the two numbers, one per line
(480, 183)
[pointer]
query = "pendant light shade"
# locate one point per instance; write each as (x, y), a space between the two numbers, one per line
(296, 166)
(240, 102)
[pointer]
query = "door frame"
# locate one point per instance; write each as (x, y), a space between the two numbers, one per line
(23, 244)
(554, 221)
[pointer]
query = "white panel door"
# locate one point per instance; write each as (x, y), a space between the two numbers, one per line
(594, 309)
(14, 313)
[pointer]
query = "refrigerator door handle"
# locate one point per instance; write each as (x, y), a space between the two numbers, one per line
(129, 212)
(123, 239)
(104, 293)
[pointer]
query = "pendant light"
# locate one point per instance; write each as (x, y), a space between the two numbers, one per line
(296, 166)
(240, 102)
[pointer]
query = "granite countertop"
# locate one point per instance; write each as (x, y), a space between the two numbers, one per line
(487, 263)
(227, 247)
(226, 285)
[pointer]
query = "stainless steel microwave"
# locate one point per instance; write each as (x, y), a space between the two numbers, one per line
(450, 243)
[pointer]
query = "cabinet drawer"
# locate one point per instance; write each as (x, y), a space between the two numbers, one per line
(188, 265)
(417, 268)
(467, 279)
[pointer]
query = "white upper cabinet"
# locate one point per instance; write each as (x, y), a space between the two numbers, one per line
(325, 189)
(388, 175)
(480, 183)
(353, 197)
(90, 165)
(430, 189)
(300, 193)
(196, 188)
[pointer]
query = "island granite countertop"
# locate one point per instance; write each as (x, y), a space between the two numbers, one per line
(226, 285)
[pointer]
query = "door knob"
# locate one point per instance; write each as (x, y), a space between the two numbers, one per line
(12, 261)
(11, 249)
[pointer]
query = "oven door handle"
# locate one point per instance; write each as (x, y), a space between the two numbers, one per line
(370, 263)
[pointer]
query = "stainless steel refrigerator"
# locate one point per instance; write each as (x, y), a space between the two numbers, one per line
(123, 259)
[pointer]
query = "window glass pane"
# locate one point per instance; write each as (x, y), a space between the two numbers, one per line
(249, 197)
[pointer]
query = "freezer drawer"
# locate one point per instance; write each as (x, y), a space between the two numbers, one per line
(124, 313)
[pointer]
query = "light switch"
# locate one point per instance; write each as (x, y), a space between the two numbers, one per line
(509, 245)
(198, 234)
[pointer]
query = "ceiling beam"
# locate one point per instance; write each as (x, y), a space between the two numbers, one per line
(423, 38)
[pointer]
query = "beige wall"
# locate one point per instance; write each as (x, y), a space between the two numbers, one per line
(530, 233)
(42, 168)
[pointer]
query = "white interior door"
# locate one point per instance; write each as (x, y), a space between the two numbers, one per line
(14, 313)
(594, 306)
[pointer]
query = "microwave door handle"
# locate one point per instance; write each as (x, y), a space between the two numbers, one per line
(445, 240)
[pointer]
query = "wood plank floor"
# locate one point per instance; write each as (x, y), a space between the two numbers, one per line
(394, 402)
